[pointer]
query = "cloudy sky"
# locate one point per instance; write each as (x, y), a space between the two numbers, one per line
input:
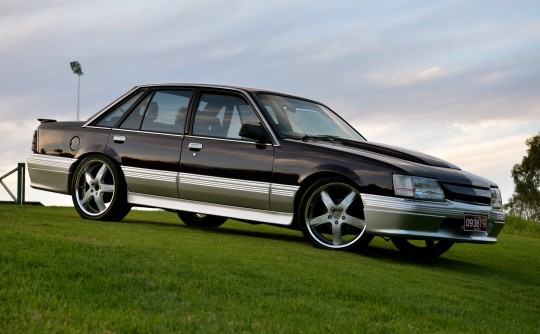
(455, 79)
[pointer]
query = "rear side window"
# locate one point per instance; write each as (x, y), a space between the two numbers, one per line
(164, 111)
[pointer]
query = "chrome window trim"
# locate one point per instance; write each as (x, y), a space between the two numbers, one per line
(261, 116)
(136, 131)
(229, 140)
(244, 93)
(147, 132)
(109, 106)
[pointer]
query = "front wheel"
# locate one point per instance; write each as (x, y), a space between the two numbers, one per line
(99, 190)
(425, 248)
(331, 216)
(201, 220)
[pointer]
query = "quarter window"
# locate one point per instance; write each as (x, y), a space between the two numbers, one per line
(114, 116)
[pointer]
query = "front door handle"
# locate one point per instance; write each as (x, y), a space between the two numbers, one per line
(195, 146)
(119, 139)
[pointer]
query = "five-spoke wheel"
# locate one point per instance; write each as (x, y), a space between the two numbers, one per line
(331, 216)
(98, 190)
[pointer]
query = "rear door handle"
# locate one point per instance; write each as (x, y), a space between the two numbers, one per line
(195, 146)
(119, 139)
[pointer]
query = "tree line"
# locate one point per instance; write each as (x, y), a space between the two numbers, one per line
(525, 202)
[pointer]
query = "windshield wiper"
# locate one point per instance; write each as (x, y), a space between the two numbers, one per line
(319, 137)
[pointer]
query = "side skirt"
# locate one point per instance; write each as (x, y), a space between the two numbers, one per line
(270, 217)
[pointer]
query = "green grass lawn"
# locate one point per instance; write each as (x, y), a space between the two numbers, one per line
(152, 274)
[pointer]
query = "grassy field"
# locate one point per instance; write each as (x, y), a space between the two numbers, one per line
(152, 274)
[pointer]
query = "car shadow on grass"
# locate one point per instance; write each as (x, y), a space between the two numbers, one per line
(259, 234)
(224, 230)
(391, 254)
(378, 252)
(443, 262)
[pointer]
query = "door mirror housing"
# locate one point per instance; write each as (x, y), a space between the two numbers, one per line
(254, 131)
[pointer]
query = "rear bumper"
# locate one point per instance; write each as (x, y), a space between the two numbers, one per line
(412, 219)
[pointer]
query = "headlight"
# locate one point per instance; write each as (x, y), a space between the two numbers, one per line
(496, 199)
(418, 187)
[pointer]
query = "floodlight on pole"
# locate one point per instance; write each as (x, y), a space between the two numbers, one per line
(76, 68)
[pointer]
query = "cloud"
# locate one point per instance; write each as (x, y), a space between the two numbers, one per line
(456, 79)
(427, 74)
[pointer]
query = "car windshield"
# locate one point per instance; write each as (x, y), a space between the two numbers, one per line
(301, 119)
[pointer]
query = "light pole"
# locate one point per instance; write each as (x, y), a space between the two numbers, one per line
(76, 68)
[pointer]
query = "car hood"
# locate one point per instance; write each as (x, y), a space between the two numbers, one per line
(400, 153)
(411, 161)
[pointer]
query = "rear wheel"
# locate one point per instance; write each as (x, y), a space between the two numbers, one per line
(99, 190)
(331, 216)
(201, 220)
(426, 248)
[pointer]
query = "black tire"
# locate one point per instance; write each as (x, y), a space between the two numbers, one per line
(331, 216)
(201, 220)
(99, 190)
(424, 248)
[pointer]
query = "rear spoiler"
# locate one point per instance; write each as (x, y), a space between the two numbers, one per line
(46, 120)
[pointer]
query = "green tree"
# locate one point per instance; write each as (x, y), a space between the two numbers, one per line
(525, 202)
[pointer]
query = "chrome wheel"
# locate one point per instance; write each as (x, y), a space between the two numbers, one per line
(332, 217)
(99, 190)
(427, 248)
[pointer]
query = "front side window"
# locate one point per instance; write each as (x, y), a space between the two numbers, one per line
(164, 111)
(296, 118)
(222, 116)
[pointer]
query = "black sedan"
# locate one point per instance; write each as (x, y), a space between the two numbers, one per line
(216, 152)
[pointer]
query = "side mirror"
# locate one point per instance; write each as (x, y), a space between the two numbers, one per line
(254, 131)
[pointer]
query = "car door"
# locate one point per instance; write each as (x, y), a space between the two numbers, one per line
(218, 165)
(148, 142)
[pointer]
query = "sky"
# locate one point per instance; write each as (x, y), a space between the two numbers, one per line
(459, 80)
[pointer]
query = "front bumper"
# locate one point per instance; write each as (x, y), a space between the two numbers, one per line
(413, 219)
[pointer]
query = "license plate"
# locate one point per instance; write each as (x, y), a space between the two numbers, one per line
(475, 223)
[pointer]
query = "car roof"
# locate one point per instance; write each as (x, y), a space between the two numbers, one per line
(198, 85)
(228, 87)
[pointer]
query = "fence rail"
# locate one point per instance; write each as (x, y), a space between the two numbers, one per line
(20, 183)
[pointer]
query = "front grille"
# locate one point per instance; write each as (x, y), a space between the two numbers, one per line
(467, 194)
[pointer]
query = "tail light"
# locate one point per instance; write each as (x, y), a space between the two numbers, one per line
(35, 142)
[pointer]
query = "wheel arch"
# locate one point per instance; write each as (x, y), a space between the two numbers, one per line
(322, 172)
(332, 181)
(83, 156)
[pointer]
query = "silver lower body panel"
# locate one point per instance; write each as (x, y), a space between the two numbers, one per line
(412, 219)
(150, 181)
(384, 215)
(49, 172)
